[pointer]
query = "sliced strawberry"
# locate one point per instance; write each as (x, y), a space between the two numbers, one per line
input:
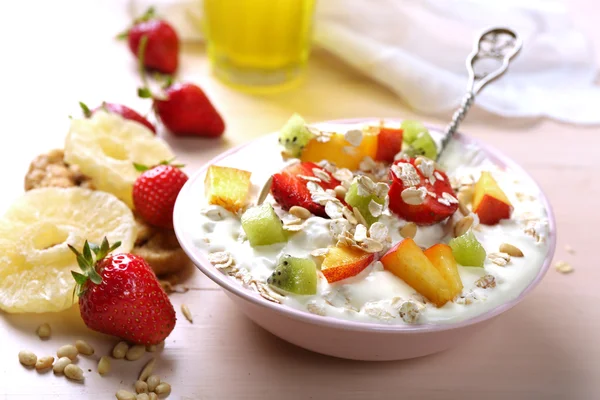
(289, 188)
(389, 143)
(435, 207)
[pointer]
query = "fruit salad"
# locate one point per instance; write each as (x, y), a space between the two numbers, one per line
(365, 222)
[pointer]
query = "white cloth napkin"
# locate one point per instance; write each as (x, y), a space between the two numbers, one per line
(418, 49)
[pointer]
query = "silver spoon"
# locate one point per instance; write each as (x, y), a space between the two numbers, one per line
(496, 45)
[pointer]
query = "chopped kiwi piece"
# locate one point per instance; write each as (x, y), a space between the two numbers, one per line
(295, 275)
(467, 250)
(263, 226)
(354, 199)
(294, 135)
(418, 140)
(411, 130)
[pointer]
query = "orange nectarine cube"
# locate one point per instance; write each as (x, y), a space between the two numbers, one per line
(227, 187)
(339, 151)
(344, 262)
(490, 202)
(442, 258)
(407, 261)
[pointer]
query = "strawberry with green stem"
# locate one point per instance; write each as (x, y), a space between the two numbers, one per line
(120, 109)
(162, 47)
(155, 192)
(120, 295)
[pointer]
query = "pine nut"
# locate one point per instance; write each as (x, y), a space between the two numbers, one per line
(186, 313)
(44, 363)
(152, 396)
(104, 365)
(152, 348)
(43, 331)
(143, 396)
(135, 352)
(120, 350)
(409, 230)
(84, 348)
(124, 395)
(464, 210)
(163, 388)
(73, 372)
(153, 381)
(27, 358)
(60, 365)
(340, 191)
(68, 350)
(147, 370)
(300, 212)
(141, 387)
(511, 250)
(463, 225)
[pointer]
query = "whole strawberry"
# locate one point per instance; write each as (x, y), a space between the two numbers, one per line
(155, 192)
(161, 47)
(119, 295)
(120, 109)
(185, 110)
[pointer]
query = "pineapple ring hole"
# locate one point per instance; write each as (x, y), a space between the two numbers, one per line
(48, 237)
(113, 149)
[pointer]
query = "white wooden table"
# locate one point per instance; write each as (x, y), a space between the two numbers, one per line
(54, 54)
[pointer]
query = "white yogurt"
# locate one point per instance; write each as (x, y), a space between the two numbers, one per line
(375, 294)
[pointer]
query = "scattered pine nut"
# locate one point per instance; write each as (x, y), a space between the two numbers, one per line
(186, 313)
(73, 372)
(463, 225)
(569, 249)
(300, 212)
(104, 365)
(152, 348)
(27, 358)
(135, 352)
(464, 210)
(147, 370)
(43, 331)
(163, 388)
(141, 387)
(153, 381)
(143, 396)
(152, 396)
(409, 230)
(44, 363)
(84, 348)
(60, 365)
(340, 191)
(120, 350)
(124, 395)
(68, 350)
(511, 250)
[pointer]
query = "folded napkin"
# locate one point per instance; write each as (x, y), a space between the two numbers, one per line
(418, 50)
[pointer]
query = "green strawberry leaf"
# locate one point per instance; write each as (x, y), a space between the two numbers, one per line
(144, 93)
(95, 277)
(140, 167)
(86, 110)
(79, 278)
(87, 253)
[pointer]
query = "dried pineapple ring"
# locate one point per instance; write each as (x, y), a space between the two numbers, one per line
(35, 262)
(105, 147)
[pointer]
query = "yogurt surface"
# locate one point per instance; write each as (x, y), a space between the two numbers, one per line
(376, 295)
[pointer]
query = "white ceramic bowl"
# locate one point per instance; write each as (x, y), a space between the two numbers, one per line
(336, 337)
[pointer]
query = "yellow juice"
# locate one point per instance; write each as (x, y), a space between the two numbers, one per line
(258, 45)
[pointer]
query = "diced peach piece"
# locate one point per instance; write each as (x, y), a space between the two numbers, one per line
(407, 261)
(442, 258)
(227, 187)
(339, 151)
(489, 202)
(344, 262)
(389, 143)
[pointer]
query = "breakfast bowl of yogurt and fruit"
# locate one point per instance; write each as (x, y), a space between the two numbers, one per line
(354, 239)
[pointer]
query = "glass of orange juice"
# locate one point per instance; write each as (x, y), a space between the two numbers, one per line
(258, 45)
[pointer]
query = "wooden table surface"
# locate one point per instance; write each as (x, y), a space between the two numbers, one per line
(57, 53)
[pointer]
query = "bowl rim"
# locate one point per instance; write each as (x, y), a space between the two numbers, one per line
(233, 287)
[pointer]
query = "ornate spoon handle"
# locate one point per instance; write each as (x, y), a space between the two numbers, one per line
(496, 46)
